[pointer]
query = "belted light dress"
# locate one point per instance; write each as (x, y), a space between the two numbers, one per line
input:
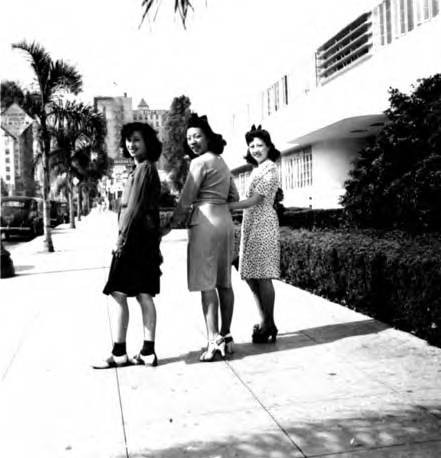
(208, 189)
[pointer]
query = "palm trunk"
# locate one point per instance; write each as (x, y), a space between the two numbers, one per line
(71, 203)
(70, 199)
(79, 202)
(48, 244)
(86, 201)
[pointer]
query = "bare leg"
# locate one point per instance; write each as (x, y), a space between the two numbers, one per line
(267, 296)
(120, 317)
(210, 305)
(119, 322)
(226, 300)
(148, 310)
(254, 286)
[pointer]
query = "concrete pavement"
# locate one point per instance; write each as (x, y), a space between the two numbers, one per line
(336, 384)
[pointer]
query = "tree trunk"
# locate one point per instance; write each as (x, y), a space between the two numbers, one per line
(86, 201)
(79, 202)
(48, 245)
(71, 205)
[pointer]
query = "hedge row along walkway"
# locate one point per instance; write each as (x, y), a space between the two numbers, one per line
(337, 383)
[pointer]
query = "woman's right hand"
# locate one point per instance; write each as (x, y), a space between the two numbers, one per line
(117, 251)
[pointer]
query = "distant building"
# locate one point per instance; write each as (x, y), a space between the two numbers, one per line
(322, 113)
(116, 111)
(17, 151)
(154, 118)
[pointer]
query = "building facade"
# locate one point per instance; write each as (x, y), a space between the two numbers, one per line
(116, 111)
(322, 113)
(154, 118)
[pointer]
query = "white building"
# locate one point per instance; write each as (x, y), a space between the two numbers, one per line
(321, 113)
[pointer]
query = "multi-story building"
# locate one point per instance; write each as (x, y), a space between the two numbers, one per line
(321, 113)
(17, 152)
(153, 117)
(116, 111)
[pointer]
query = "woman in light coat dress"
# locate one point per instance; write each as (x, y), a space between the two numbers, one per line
(207, 190)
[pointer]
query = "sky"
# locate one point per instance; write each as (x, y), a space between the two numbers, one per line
(230, 49)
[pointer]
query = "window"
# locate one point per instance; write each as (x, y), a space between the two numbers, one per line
(388, 21)
(346, 47)
(268, 95)
(409, 15)
(276, 96)
(7, 160)
(297, 169)
(426, 12)
(285, 89)
(7, 152)
(8, 177)
(8, 169)
(382, 27)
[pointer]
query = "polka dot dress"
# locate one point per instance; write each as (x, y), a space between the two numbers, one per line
(260, 243)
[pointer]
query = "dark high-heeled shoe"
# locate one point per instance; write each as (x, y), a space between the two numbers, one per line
(262, 335)
(229, 342)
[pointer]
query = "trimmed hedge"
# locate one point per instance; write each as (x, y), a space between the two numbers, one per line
(388, 276)
(312, 218)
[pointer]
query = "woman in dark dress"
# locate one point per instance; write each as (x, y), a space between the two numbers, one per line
(134, 271)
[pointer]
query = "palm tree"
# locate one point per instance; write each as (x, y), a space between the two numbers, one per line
(78, 130)
(51, 78)
(181, 7)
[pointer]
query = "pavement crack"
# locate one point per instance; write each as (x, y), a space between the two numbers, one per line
(118, 388)
(284, 431)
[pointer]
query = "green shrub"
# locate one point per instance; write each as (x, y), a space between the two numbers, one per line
(297, 218)
(389, 276)
(396, 178)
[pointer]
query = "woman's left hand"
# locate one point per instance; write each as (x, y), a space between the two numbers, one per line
(165, 229)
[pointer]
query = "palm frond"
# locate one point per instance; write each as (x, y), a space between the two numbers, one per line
(64, 76)
(147, 5)
(40, 62)
(181, 7)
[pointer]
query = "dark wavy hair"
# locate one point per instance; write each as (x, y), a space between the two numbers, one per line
(152, 143)
(262, 134)
(216, 143)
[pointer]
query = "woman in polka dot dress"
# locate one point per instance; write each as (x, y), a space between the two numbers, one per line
(259, 258)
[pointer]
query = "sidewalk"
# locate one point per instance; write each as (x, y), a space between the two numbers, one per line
(336, 384)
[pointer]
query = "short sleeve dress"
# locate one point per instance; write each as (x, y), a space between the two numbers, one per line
(260, 242)
(137, 269)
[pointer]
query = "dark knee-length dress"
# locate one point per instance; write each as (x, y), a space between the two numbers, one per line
(136, 267)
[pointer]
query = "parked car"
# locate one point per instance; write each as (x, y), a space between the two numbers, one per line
(59, 213)
(21, 216)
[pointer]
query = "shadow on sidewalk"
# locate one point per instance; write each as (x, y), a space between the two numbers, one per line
(392, 431)
(21, 270)
(293, 340)
(253, 445)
